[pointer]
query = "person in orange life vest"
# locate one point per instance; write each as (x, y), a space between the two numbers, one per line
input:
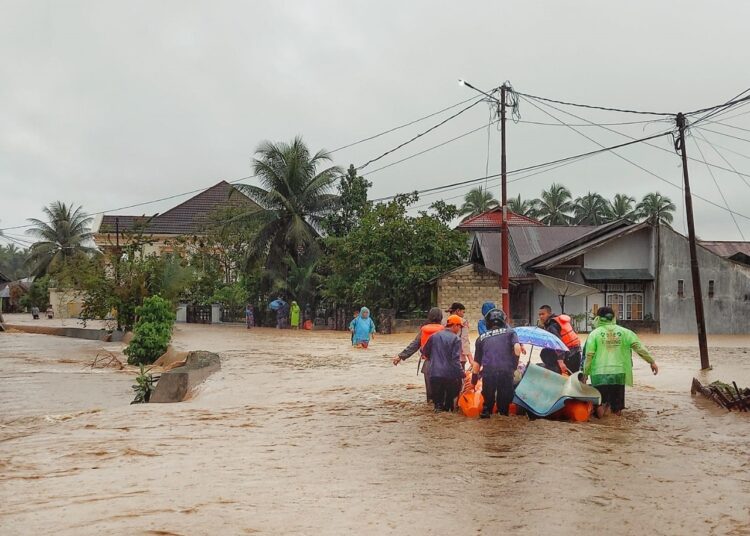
(459, 310)
(443, 349)
(433, 325)
(560, 326)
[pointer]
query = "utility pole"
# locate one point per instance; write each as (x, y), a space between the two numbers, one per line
(504, 245)
(694, 267)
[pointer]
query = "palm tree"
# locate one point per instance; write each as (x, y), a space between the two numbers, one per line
(294, 199)
(622, 206)
(521, 207)
(591, 209)
(554, 206)
(477, 201)
(60, 240)
(655, 209)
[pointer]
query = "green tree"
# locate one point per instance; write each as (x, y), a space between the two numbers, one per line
(622, 206)
(590, 209)
(13, 261)
(152, 331)
(554, 206)
(295, 197)
(387, 260)
(38, 294)
(353, 204)
(522, 207)
(656, 209)
(300, 281)
(477, 201)
(59, 240)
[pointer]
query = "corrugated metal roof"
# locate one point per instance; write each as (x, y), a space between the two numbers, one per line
(486, 250)
(533, 241)
(186, 218)
(726, 249)
(492, 220)
(616, 274)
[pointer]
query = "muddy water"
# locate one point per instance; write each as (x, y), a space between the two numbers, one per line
(300, 434)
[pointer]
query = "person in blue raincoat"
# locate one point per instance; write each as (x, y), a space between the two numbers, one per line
(482, 324)
(362, 328)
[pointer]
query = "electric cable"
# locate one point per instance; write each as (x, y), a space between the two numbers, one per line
(609, 109)
(699, 133)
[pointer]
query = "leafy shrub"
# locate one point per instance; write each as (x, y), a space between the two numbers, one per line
(152, 332)
(144, 386)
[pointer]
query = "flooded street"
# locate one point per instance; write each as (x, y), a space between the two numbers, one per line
(300, 434)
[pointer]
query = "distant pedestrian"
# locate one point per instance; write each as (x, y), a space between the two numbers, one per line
(294, 315)
(50, 312)
(282, 314)
(249, 316)
(363, 328)
(35, 312)
(355, 316)
(609, 360)
(443, 350)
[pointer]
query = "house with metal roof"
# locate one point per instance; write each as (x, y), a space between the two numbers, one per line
(188, 219)
(641, 271)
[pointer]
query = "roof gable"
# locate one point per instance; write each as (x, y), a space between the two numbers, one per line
(492, 219)
(189, 217)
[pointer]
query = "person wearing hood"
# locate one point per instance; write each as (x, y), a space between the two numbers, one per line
(433, 325)
(561, 327)
(609, 361)
(294, 315)
(363, 328)
(482, 324)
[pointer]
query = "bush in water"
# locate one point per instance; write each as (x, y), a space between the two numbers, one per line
(152, 332)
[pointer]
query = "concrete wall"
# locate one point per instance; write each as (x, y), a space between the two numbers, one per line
(66, 303)
(727, 312)
(470, 285)
(630, 251)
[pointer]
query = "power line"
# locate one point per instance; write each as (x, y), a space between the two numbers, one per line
(400, 126)
(724, 134)
(532, 167)
(636, 164)
(609, 109)
(425, 150)
(736, 100)
(407, 142)
(721, 193)
(699, 133)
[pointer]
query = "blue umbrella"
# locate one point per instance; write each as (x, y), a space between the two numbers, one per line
(275, 305)
(539, 337)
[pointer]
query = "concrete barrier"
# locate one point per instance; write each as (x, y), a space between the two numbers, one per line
(78, 333)
(175, 384)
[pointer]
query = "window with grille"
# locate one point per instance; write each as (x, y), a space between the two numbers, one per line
(626, 305)
(680, 288)
(615, 301)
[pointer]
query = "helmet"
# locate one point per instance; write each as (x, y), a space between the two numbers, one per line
(495, 319)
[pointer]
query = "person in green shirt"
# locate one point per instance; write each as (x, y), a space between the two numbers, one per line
(609, 360)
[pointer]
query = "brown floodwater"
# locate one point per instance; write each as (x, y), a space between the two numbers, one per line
(301, 434)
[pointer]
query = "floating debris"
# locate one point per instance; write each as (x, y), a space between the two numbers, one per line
(727, 396)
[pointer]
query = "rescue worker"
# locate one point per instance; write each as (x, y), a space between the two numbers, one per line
(497, 353)
(446, 372)
(433, 325)
(609, 361)
(459, 310)
(486, 308)
(561, 327)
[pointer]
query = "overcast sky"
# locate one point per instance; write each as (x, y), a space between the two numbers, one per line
(106, 104)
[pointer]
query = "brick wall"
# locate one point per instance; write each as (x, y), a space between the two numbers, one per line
(470, 285)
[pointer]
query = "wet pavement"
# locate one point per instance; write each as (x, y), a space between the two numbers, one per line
(301, 434)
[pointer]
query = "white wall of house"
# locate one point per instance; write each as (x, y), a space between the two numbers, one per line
(632, 251)
(727, 311)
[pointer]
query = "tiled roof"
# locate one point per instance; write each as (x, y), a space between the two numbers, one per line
(726, 249)
(189, 217)
(492, 220)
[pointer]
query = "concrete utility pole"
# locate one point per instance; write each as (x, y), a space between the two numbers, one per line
(505, 247)
(694, 267)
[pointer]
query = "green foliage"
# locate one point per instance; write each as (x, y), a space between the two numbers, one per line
(353, 204)
(591, 209)
(38, 294)
(231, 296)
(387, 260)
(477, 201)
(656, 208)
(144, 385)
(13, 261)
(59, 240)
(152, 331)
(554, 206)
(622, 206)
(522, 207)
(295, 197)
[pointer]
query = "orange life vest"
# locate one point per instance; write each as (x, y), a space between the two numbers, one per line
(427, 331)
(568, 336)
